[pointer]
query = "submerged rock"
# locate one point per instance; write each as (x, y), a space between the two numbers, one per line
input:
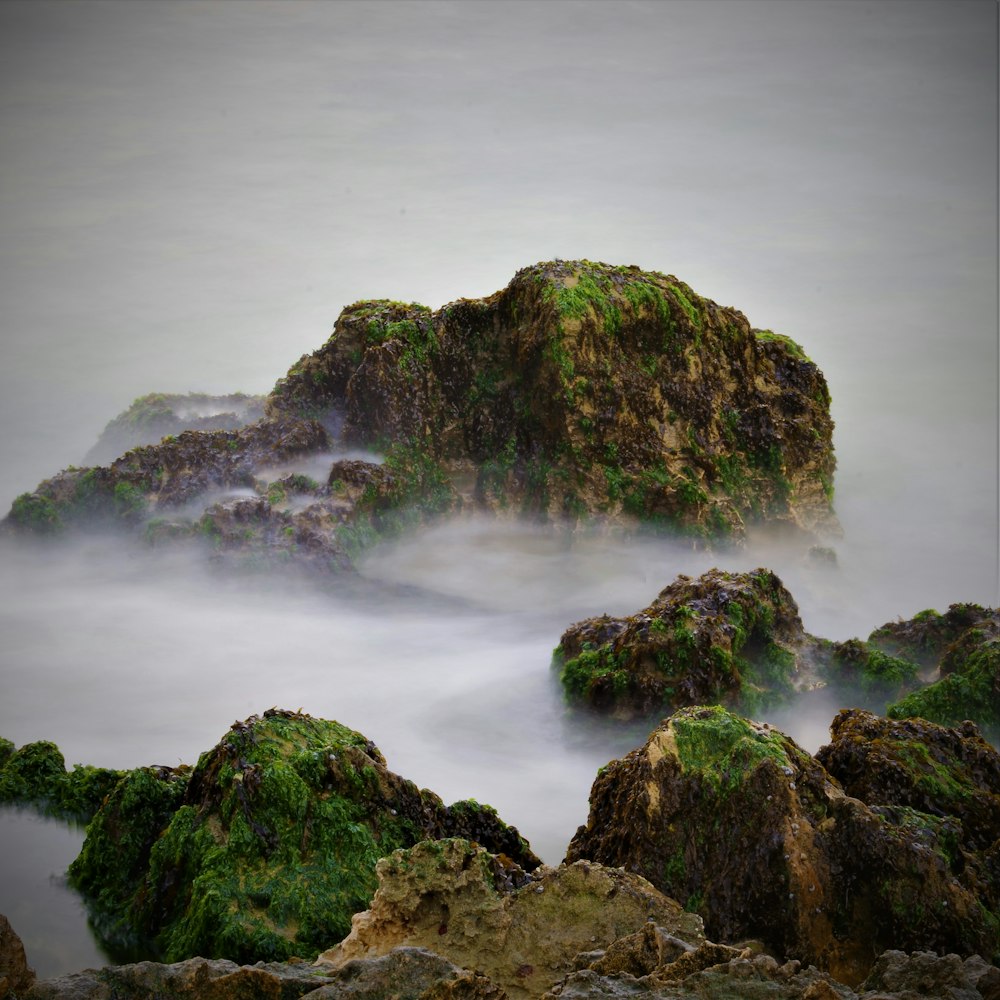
(267, 848)
(157, 415)
(584, 388)
(727, 637)
(521, 930)
(751, 832)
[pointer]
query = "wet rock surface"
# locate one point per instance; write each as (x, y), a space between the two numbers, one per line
(723, 637)
(521, 930)
(266, 848)
(746, 828)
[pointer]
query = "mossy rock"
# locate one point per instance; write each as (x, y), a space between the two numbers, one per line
(36, 775)
(585, 389)
(728, 637)
(735, 820)
(270, 846)
(968, 684)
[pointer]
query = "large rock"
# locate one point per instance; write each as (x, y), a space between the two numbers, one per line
(737, 821)
(583, 388)
(267, 848)
(481, 911)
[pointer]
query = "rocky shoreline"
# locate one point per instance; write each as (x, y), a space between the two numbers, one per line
(719, 858)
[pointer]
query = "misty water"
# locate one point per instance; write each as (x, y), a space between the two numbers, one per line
(190, 193)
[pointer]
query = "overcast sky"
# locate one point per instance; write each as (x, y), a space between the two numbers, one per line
(191, 191)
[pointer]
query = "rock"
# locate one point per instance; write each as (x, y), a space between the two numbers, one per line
(15, 976)
(926, 636)
(919, 765)
(730, 637)
(36, 775)
(925, 974)
(157, 415)
(405, 974)
(267, 848)
(478, 911)
(163, 477)
(583, 388)
(966, 645)
(737, 821)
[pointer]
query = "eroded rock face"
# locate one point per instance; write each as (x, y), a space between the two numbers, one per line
(266, 848)
(480, 911)
(726, 637)
(585, 388)
(746, 828)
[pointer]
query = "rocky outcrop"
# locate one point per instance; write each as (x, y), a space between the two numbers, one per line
(737, 821)
(963, 646)
(157, 415)
(521, 930)
(724, 637)
(36, 775)
(15, 975)
(267, 847)
(583, 388)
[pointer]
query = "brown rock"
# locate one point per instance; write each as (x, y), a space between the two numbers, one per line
(15, 976)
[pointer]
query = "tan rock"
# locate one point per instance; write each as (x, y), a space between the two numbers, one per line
(451, 896)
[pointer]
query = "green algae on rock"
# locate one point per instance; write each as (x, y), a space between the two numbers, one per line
(36, 775)
(968, 668)
(730, 637)
(268, 848)
(585, 388)
(750, 831)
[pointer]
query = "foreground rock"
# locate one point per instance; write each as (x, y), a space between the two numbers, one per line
(267, 848)
(15, 975)
(731, 638)
(743, 826)
(895, 976)
(580, 390)
(522, 931)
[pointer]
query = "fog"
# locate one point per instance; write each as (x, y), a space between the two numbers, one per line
(190, 193)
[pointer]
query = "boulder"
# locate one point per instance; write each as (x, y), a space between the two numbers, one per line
(267, 847)
(15, 976)
(481, 911)
(728, 637)
(584, 388)
(157, 415)
(751, 832)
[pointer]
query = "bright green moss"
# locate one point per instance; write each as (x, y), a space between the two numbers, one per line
(794, 349)
(37, 513)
